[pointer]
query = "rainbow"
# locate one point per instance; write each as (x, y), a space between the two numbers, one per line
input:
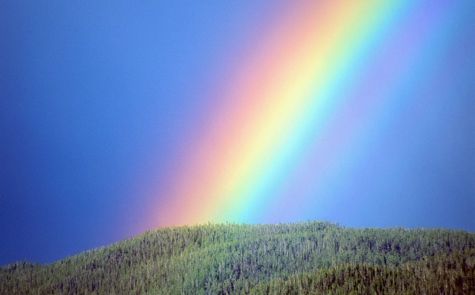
(295, 112)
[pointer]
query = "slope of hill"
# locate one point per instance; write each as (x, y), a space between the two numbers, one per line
(305, 258)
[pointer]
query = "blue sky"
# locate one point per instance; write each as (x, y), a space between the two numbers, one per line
(94, 96)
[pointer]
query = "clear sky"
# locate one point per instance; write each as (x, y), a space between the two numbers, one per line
(116, 117)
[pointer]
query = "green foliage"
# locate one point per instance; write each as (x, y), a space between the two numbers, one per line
(306, 258)
(452, 273)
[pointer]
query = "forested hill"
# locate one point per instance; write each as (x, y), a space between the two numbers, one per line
(306, 258)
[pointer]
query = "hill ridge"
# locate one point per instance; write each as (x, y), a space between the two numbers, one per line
(244, 258)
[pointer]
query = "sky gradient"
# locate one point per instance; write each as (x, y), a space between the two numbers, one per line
(116, 118)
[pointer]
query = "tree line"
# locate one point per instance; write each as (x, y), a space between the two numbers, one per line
(258, 259)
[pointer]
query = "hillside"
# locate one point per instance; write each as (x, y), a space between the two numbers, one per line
(305, 258)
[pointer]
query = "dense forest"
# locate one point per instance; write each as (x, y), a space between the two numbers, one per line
(305, 258)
